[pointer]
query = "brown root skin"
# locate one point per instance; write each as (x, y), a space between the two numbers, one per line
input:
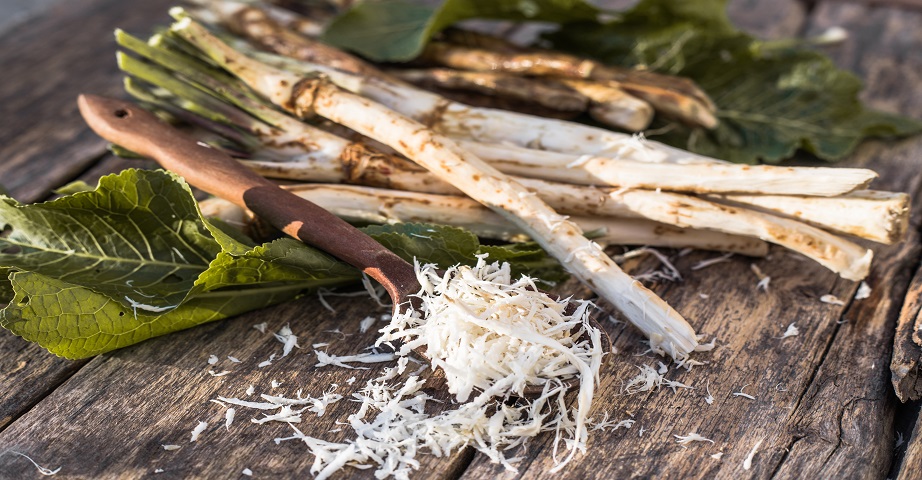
(882, 217)
(380, 205)
(537, 64)
(676, 97)
(635, 78)
(362, 165)
(304, 94)
(613, 106)
(545, 93)
(478, 100)
(256, 26)
(673, 105)
(600, 72)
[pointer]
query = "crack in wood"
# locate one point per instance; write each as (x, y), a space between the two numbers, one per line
(50, 387)
(787, 452)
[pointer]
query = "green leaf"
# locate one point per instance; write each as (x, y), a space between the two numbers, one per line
(282, 260)
(772, 97)
(137, 237)
(448, 246)
(92, 272)
(6, 288)
(397, 30)
(528, 259)
(75, 322)
(442, 245)
(76, 186)
(123, 152)
(230, 239)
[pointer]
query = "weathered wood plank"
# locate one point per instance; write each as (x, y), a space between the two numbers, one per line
(848, 411)
(823, 398)
(29, 373)
(768, 20)
(887, 57)
(164, 388)
(779, 373)
(905, 367)
(13, 12)
(29, 369)
(46, 62)
(912, 458)
(111, 418)
(884, 50)
(44, 143)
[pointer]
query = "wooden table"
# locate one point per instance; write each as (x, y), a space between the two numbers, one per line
(824, 406)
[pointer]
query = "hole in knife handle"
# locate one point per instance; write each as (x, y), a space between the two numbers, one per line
(122, 113)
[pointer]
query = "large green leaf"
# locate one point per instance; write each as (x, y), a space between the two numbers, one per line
(77, 311)
(282, 260)
(444, 246)
(528, 259)
(397, 30)
(137, 237)
(772, 98)
(76, 186)
(6, 289)
(75, 322)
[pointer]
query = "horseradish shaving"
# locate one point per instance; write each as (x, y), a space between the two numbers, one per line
(492, 333)
(691, 437)
(493, 337)
(481, 328)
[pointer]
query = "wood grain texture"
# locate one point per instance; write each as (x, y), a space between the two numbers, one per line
(884, 49)
(13, 12)
(824, 407)
(46, 62)
(803, 385)
(912, 458)
(768, 20)
(30, 368)
(30, 373)
(905, 366)
(110, 419)
(44, 143)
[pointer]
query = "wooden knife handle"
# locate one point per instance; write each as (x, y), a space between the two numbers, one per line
(215, 172)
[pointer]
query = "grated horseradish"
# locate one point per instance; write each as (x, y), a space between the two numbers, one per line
(481, 327)
(492, 336)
